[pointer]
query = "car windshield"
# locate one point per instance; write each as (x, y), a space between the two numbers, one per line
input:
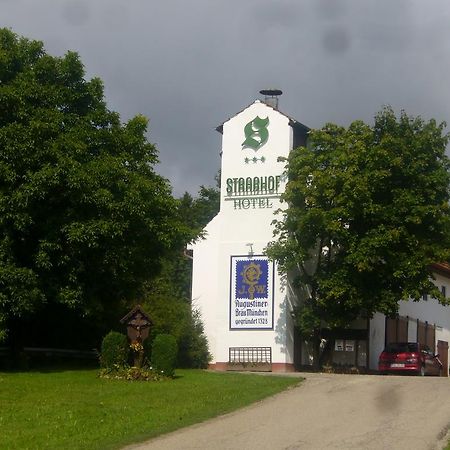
(402, 347)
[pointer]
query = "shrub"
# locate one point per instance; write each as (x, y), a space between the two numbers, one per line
(164, 354)
(147, 344)
(193, 345)
(182, 320)
(198, 354)
(115, 350)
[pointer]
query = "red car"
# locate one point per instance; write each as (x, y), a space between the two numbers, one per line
(409, 357)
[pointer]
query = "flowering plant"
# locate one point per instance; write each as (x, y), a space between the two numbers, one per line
(136, 346)
(132, 374)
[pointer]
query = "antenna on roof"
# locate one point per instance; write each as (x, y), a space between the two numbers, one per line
(271, 96)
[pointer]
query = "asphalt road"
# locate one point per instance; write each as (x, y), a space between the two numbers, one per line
(329, 411)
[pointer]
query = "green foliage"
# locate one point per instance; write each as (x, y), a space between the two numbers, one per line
(2, 327)
(147, 344)
(168, 297)
(197, 212)
(193, 346)
(84, 219)
(115, 354)
(168, 304)
(164, 354)
(115, 351)
(368, 213)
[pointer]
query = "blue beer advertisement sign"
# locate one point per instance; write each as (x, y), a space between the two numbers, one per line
(251, 299)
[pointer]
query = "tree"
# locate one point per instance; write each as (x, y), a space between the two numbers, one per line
(84, 218)
(367, 214)
(197, 212)
(168, 297)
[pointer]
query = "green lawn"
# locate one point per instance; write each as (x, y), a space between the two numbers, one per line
(74, 409)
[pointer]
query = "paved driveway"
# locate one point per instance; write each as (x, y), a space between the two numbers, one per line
(330, 411)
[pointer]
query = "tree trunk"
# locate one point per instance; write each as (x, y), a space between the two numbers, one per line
(316, 349)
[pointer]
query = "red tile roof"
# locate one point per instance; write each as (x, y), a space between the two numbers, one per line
(441, 268)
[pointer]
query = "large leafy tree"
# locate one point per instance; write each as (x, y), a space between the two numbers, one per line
(84, 218)
(168, 297)
(197, 212)
(367, 214)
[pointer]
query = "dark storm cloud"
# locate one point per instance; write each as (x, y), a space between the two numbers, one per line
(75, 12)
(336, 40)
(281, 14)
(189, 66)
(330, 9)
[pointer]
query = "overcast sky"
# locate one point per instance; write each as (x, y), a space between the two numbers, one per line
(189, 65)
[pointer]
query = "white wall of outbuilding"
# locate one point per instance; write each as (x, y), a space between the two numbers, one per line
(429, 310)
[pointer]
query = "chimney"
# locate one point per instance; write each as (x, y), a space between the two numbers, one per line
(271, 96)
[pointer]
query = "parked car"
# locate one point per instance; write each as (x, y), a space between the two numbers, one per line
(409, 357)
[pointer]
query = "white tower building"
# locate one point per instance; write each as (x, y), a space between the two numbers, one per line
(244, 304)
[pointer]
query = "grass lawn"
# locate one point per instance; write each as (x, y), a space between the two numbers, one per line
(74, 409)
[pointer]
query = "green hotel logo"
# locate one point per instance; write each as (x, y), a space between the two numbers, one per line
(256, 133)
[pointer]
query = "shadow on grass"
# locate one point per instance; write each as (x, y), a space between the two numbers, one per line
(48, 366)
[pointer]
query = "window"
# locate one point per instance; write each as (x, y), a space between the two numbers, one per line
(402, 347)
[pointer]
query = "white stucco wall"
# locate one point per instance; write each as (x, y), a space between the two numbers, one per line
(205, 279)
(430, 311)
(233, 229)
(376, 339)
(412, 329)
